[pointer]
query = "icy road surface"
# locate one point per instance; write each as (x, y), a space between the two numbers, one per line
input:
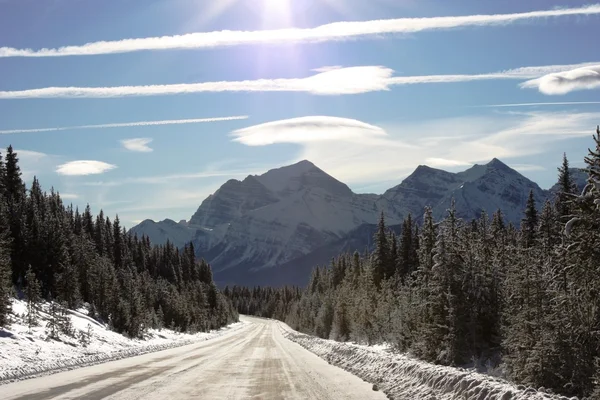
(255, 362)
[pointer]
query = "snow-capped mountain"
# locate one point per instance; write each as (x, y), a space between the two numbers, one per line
(159, 232)
(273, 228)
(269, 220)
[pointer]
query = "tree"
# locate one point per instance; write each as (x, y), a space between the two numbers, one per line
(15, 199)
(381, 260)
(566, 189)
(5, 267)
(33, 294)
(529, 223)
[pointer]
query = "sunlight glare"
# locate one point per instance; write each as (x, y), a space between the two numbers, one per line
(276, 12)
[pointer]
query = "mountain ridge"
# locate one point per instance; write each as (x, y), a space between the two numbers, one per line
(255, 229)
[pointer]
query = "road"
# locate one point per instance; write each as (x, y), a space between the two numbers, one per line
(255, 362)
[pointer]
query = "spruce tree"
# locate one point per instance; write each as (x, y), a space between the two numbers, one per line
(529, 223)
(5, 267)
(566, 189)
(33, 294)
(381, 260)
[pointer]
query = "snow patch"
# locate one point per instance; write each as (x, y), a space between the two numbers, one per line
(402, 377)
(25, 354)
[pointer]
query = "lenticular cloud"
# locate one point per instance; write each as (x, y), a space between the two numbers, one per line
(557, 83)
(84, 167)
(308, 129)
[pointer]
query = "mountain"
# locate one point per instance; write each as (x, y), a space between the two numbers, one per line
(159, 232)
(273, 228)
(272, 219)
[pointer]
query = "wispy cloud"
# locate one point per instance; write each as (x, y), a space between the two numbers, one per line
(443, 162)
(337, 31)
(339, 81)
(527, 167)
(137, 144)
(128, 124)
(69, 196)
(563, 82)
(557, 103)
(163, 179)
(84, 167)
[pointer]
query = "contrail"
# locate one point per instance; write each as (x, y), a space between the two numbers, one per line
(341, 81)
(337, 31)
(126, 124)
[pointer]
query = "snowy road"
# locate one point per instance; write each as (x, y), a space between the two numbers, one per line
(255, 362)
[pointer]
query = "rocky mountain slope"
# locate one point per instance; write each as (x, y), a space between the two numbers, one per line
(273, 228)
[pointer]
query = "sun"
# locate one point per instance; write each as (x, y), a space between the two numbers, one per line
(278, 12)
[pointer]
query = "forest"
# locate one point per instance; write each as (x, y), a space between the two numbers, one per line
(52, 252)
(522, 302)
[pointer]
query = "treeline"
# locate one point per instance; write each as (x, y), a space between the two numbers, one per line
(53, 252)
(266, 302)
(522, 300)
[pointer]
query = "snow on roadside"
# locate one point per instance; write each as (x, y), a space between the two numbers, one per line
(402, 377)
(26, 355)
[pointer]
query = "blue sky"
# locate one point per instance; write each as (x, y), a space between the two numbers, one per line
(416, 99)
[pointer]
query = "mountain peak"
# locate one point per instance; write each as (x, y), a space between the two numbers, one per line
(279, 179)
(495, 163)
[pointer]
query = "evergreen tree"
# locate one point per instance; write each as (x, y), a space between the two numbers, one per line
(529, 223)
(566, 189)
(5, 270)
(33, 294)
(15, 195)
(381, 262)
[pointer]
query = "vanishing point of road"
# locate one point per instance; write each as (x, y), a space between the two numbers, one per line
(254, 362)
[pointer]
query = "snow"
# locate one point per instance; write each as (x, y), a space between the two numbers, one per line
(278, 179)
(159, 232)
(25, 355)
(402, 377)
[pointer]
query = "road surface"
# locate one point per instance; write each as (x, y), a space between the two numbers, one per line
(255, 362)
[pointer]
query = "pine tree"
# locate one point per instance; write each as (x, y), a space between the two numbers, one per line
(381, 261)
(5, 267)
(566, 190)
(407, 260)
(15, 200)
(53, 324)
(529, 223)
(33, 294)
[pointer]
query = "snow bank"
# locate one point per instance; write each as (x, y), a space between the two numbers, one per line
(402, 377)
(27, 355)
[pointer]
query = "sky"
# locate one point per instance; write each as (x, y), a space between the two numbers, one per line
(143, 108)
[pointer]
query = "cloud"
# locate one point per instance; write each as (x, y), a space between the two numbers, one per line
(163, 179)
(327, 68)
(340, 81)
(345, 30)
(442, 162)
(527, 167)
(137, 144)
(467, 140)
(34, 163)
(308, 129)
(69, 196)
(127, 124)
(582, 78)
(352, 80)
(559, 103)
(29, 155)
(84, 167)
